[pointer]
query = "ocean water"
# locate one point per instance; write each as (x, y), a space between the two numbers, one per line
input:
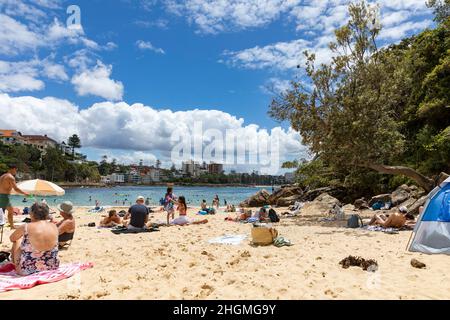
(127, 195)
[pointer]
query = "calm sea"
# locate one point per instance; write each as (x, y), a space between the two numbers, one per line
(127, 195)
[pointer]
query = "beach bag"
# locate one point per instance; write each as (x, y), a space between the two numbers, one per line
(354, 221)
(273, 216)
(263, 236)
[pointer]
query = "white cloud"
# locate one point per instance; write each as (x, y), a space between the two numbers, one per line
(316, 22)
(25, 75)
(15, 37)
(213, 16)
(147, 45)
(275, 86)
(96, 82)
(142, 130)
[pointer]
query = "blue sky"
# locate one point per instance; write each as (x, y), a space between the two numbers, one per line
(111, 80)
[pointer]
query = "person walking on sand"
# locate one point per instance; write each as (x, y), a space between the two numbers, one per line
(7, 184)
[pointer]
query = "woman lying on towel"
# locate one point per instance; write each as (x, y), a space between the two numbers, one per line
(111, 220)
(35, 244)
(183, 219)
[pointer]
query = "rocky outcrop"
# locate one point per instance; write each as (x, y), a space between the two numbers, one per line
(400, 195)
(285, 196)
(361, 204)
(414, 208)
(288, 201)
(259, 199)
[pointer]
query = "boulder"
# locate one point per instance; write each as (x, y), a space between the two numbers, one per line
(408, 203)
(381, 197)
(400, 195)
(259, 199)
(361, 204)
(288, 201)
(414, 208)
(313, 194)
(325, 202)
(285, 192)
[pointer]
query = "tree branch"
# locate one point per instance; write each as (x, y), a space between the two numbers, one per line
(423, 181)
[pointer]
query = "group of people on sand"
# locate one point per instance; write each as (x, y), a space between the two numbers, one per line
(137, 217)
(36, 243)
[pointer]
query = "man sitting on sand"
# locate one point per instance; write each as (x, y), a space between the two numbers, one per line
(395, 220)
(66, 227)
(137, 215)
(111, 220)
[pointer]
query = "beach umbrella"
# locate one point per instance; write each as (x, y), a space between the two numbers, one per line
(41, 188)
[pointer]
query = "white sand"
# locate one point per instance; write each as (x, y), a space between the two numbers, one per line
(178, 263)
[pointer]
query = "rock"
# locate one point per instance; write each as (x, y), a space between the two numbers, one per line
(288, 201)
(285, 192)
(408, 203)
(332, 191)
(349, 207)
(259, 199)
(381, 197)
(414, 208)
(325, 202)
(361, 204)
(400, 195)
(417, 264)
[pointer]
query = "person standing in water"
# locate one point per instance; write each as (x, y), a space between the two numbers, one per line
(7, 184)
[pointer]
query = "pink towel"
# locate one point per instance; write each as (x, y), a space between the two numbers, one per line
(12, 281)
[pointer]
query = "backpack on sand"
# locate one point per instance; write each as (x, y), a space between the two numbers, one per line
(354, 221)
(273, 216)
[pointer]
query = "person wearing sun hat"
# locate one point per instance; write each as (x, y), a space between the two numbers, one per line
(66, 227)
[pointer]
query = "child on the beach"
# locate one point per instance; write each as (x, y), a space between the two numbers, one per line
(169, 204)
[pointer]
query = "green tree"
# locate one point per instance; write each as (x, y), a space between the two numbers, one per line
(351, 118)
(74, 142)
(441, 9)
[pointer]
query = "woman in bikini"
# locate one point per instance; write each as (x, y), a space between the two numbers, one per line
(182, 219)
(35, 244)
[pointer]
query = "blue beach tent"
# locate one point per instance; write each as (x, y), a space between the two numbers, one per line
(432, 231)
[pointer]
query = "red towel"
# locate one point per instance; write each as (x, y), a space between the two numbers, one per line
(10, 280)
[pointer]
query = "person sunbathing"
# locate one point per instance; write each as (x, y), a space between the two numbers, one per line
(38, 249)
(111, 220)
(395, 220)
(66, 227)
(183, 219)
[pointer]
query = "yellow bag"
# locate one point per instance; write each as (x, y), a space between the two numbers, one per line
(263, 236)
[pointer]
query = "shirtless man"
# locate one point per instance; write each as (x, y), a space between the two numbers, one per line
(7, 184)
(395, 220)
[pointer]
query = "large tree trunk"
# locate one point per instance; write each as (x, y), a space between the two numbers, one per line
(423, 181)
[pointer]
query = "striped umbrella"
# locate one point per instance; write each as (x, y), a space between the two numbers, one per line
(41, 188)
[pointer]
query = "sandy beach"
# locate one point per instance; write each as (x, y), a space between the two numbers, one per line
(179, 263)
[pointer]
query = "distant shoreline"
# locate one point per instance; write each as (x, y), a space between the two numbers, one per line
(70, 185)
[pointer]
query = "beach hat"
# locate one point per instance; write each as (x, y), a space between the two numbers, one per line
(66, 207)
(140, 198)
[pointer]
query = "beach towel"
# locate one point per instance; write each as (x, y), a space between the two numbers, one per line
(10, 280)
(124, 230)
(233, 239)
(387, 230)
